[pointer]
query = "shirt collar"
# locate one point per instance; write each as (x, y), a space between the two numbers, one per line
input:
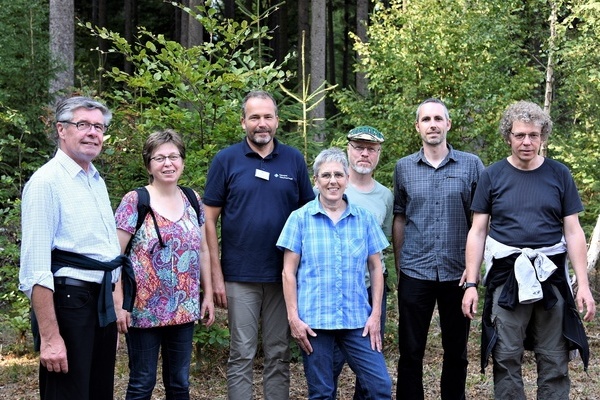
(420, 156)
(249, 152)
(72, 167)
(314, 207)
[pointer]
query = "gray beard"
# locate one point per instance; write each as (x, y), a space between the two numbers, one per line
(261, 142)
(362, 170)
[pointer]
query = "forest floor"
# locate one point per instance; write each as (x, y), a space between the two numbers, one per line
(18, 373)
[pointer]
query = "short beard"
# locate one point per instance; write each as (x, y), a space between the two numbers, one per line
(362, 170)
(260, 142)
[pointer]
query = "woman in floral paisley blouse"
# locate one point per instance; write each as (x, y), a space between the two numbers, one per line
(169, 273)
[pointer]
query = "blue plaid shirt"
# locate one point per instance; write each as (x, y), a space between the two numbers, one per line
(436, 203)
(330, 278)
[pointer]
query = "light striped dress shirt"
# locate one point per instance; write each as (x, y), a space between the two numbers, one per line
(66, 208)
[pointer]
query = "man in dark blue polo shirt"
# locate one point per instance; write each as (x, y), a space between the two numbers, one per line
(253, 186)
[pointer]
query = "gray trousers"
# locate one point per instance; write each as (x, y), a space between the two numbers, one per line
(248, 304)
(550, 347)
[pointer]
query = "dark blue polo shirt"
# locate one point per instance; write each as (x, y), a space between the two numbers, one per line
(256, 197)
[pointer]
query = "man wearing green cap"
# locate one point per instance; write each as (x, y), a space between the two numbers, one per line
(364, 149)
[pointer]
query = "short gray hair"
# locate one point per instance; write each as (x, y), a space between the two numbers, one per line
(332, 154)
(259, 94)
(65, 109)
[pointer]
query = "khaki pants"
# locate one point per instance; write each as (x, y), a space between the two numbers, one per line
(247, 304)
(550, 347)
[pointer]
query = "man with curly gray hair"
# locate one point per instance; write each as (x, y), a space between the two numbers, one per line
(525, 225)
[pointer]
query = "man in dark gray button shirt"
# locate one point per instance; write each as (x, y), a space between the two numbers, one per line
(432, 197)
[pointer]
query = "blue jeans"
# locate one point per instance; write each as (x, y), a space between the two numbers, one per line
(416, 302)
(368, 365)
(175, 345)
(338, 357)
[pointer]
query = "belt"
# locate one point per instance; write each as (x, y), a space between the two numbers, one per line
(76, 282)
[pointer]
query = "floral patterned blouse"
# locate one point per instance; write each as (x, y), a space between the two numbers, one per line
(168, 279)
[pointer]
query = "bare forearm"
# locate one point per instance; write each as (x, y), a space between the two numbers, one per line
(398, 238)
(42, 300)
(377, 283)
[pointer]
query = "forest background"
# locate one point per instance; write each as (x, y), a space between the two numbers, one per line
(331, 64)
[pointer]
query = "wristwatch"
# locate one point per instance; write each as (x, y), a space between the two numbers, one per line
(467, 285)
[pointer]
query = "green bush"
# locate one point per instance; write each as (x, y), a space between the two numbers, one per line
(13, 302)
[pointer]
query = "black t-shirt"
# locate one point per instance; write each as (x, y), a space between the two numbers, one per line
(527, 207)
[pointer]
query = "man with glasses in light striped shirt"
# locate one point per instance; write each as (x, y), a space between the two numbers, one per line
(70, 257)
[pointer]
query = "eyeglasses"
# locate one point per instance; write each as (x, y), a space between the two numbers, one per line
(161, 159)
(360, 149)
(86, 126)
(534, 137)
(326, 176)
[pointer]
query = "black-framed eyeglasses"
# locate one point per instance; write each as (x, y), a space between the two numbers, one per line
(86, 126)
(171, 157)
(360, 149)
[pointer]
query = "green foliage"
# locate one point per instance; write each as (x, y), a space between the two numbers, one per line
(13, 302)
(576, 137)
(196, 91)
(24, 76)
(463, 52)
(210, 344)
(18, 160)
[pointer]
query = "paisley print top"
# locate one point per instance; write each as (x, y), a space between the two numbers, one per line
(168, 278)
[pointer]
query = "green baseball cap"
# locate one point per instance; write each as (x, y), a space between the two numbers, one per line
(366, 134)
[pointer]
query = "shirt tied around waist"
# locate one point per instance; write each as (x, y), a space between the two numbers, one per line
(106, 307)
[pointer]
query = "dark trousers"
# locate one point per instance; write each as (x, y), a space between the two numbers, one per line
(416, 303)
(174, 344)
(91, 350)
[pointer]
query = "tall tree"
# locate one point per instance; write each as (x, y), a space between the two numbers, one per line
(191, 29)
(549, 92)
(576, 104)
(130, 24)
(362, 19)
(62, 43)
(318, 42)
(303, 38)
(278, 25)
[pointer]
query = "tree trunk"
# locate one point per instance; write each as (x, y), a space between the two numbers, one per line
(278, 24)
(318, 39)
(347, 47)
(330, 44)
(62, 44)
(594, 248)
(303, 41)
(362, 19)
(550, 68)
(191, 30)
(229, 9)
(130, 23)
